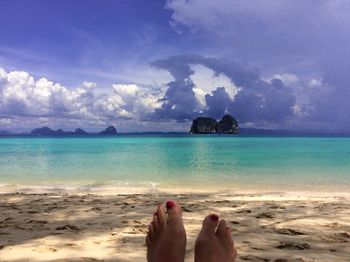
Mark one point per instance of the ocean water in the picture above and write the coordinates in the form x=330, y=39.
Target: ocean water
x=176, y=161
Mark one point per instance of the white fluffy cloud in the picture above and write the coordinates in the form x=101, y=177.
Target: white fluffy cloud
x=23, y=96
x=128, y=101
x=88, y=84
x=206, y=81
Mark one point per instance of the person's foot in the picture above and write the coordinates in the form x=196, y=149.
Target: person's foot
x=166, y=238
x=214, y=242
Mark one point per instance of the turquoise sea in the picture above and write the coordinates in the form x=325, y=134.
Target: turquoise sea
x=176, y=161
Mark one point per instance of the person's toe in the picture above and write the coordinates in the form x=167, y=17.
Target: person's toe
x=161, y=217
x=209, y=224
x=155, y=223
x=174, y=211
x=221, y=230
x=151, y=232
x=229, y=236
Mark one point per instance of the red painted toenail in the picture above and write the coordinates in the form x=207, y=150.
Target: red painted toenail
x=214, y=217
x=170, y=204
x=155, y=213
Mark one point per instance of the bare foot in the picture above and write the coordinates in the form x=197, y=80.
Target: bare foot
x=166, y=238
x=214, y=242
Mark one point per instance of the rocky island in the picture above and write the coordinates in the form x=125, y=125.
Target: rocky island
x=46, y=131
x=207, y=125
x=109, y=131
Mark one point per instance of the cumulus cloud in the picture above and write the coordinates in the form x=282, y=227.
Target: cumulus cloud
x=23, y=96
x=254, y=99
x=179, y=102
x=133, y=101
x=88, y=84
x=206, y=81
x=218, y=102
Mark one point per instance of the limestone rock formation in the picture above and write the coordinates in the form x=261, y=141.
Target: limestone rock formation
x=207, y=125
x=228, y=125
x=203, y=125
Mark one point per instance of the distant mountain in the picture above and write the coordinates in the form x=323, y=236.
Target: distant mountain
x=109, y=131
x=46, y=131
x=80, y=132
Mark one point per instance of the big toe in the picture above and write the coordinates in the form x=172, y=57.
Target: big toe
x=174, y=211
x=209, y=225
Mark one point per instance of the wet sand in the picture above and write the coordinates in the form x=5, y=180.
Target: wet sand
x=87, y=227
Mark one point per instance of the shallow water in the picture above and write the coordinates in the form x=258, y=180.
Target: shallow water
x=177, y=161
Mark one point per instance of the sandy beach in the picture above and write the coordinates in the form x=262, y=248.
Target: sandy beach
x=88, y=227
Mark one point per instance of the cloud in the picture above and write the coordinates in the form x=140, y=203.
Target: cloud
x=262, y=26
x=21, y=96
x=135, y=101
x=218, y=102
x=206, y=81
x=200, y=86
x=308, y=39
x=254, y=99
x=179, y=102
x=88, y=84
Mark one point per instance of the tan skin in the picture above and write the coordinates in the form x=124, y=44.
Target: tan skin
x=166, y=238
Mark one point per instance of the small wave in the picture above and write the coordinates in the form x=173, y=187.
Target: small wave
x=111, y=187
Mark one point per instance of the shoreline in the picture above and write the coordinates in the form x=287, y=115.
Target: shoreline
x=153, y=188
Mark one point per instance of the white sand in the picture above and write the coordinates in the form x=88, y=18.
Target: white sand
x=266, y=227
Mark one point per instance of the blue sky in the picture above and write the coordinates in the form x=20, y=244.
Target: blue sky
x=57, y=37
x=155, y=65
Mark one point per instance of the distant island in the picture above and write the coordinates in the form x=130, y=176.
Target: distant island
x=46, y=131
x=206, y=125
x=200, y=125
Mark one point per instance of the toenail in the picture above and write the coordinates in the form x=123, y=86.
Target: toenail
x=170, y=204
x=214, y=217
x=155, y=213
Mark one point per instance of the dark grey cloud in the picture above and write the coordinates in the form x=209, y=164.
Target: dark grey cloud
x=257, y=99
x=310, y=39
x=264, y=101
x=179, y=102
x=218, y=103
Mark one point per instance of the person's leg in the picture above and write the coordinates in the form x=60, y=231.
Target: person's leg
x=214, y=242
x=166, y=238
